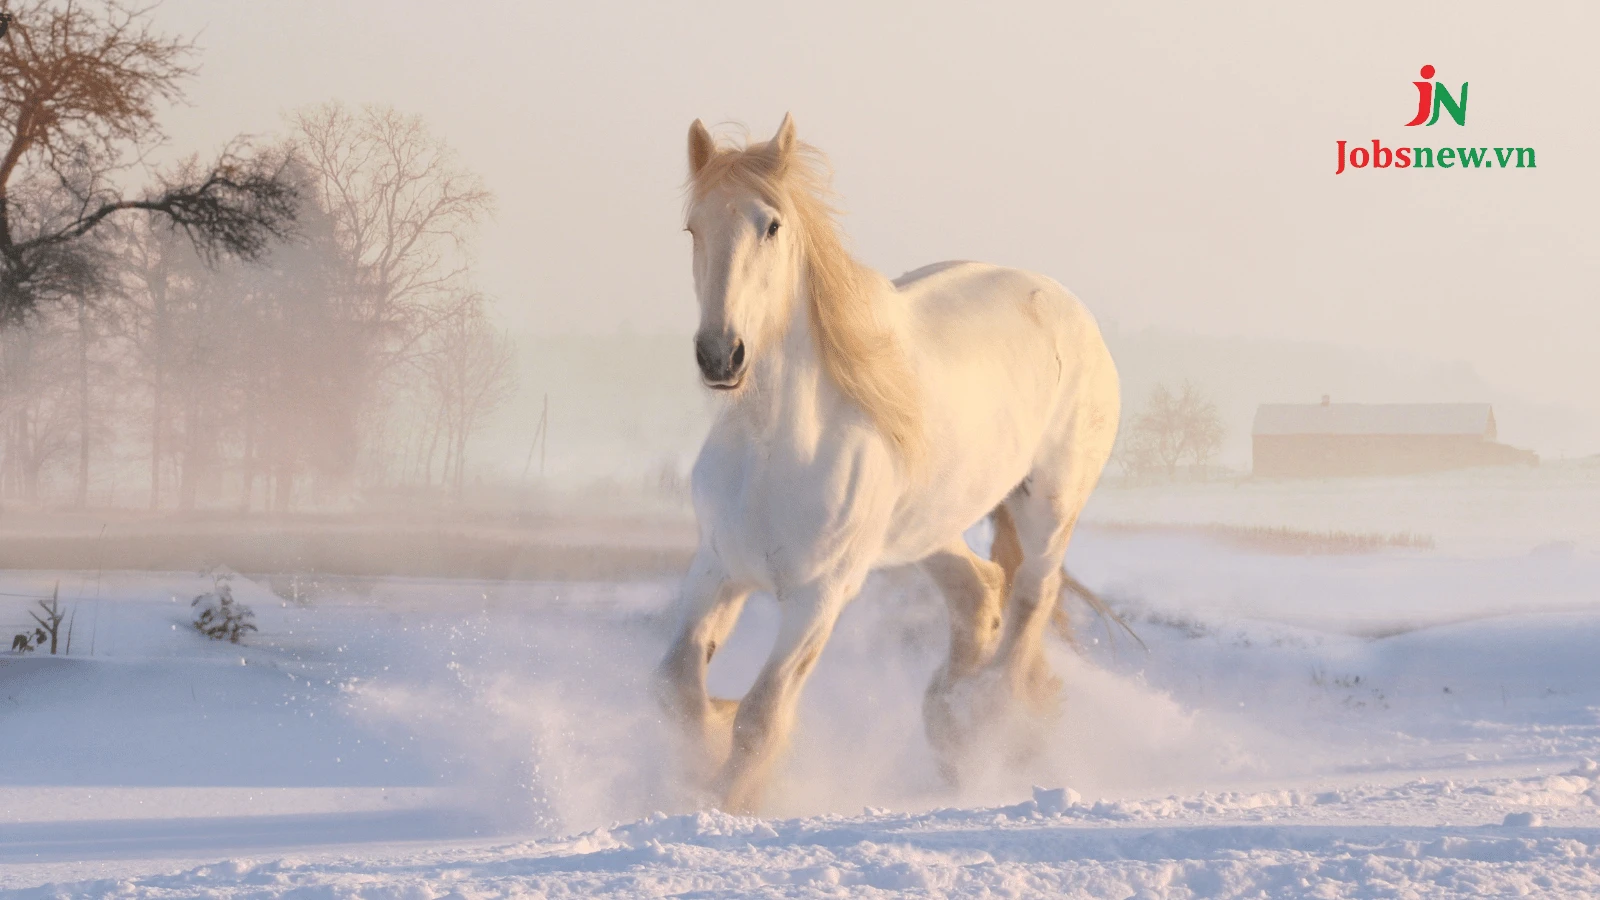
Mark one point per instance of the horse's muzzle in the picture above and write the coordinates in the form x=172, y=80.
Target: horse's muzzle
x=722, y=360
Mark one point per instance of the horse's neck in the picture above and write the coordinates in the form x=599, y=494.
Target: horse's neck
x=790, y=399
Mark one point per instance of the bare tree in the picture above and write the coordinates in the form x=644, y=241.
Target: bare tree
x=80, y=87
x=281, y=371
x=36, y=402
x=403, y=207
x=1170, y=429
x=301, y=386
x=92, y=322
x=245, y=364
x=471, y=372
x=147, y=318
x=179, y=323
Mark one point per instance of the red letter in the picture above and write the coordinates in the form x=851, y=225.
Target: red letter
x=1358, y=157
x=1402, y=158
x=1341, y=159
x=1381, y=156
x=1424, y=98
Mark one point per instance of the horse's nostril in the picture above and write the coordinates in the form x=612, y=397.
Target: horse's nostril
x=738, y=355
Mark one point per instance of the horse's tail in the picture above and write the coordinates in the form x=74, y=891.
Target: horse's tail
x=1070, y=585
x=1007, y=551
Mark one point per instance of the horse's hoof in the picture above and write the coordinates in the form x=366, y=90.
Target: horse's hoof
x=997, y=713
x=948, y=733
x=739, y=793
x=957, y=714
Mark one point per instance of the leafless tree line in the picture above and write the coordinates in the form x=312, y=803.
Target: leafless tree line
x=292, y=322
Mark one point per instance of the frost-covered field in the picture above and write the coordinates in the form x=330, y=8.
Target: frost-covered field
x=1402, y=723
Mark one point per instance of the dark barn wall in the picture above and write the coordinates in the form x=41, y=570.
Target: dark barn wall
x=1320, y=455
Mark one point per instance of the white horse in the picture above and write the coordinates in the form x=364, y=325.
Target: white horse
x=869, y=423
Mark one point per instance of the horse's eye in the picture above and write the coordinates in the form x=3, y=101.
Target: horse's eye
x=772, y=229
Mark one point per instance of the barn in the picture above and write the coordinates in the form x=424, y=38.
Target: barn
x=1311, y=440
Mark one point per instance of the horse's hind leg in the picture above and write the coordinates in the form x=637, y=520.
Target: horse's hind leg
x=1044, y=510
x=974, y=589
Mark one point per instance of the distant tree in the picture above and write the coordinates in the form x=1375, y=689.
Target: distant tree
x=37, y=415
x=403, y=207
x=80, y=86
x=155, y=272
x=91, y=314
x=196, y=324
x=301, y=387
x=1133, y=454
x=470, y=369
x=247, y=366
x=1170, y=429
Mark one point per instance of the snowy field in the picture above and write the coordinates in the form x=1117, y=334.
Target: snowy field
x=1406, y=723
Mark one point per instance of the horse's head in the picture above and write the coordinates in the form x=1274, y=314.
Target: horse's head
x=746, y=250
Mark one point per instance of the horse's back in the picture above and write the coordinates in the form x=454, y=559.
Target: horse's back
x=1030, y=347
x=915, y=275
x=959, y=308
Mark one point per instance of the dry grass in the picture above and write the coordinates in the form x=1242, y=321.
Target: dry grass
x=562, y=550
x=1279, y=539
x=537, y=548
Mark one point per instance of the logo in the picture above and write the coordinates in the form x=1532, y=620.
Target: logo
x=1435, y=96
x=1434, y=100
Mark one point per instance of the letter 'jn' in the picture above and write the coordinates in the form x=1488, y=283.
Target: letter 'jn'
x=1433, y=96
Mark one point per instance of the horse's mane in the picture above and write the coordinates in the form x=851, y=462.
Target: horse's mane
x=859, y=351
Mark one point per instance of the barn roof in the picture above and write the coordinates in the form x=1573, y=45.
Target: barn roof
x=1476, y=419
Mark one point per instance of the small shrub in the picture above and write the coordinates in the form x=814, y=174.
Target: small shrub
x=219, y=616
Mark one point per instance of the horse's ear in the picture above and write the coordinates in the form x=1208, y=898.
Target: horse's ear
x=783, y=142
x=701, y=147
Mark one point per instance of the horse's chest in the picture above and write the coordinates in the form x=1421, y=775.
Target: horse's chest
x=778, y=517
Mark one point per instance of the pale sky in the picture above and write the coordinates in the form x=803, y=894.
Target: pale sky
x=1172, y=164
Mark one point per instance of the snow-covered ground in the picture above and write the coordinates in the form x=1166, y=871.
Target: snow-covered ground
x=1485, y=512
x=1401, y=723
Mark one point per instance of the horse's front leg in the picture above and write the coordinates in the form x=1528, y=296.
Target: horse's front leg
x=710, y=606
x=766, y=715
